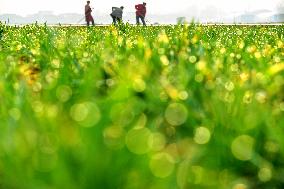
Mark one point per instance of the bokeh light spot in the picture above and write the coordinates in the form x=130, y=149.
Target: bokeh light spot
x=157, y=141
x=202, y=135
x=139, y=85
x=15, y=113
x=63, y=93
x=230, y=86
x=114, y=137
x=183, y=95
x=265, y=174
x=137, y=140
x=87, y=114
x=162, y=165
x=176, y=114
x=165, y=61
x=240, y=186
x=242, y=147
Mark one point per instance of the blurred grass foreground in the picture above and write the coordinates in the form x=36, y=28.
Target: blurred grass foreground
x=170, y=107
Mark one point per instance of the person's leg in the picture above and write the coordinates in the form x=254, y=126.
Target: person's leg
x=93, y=22
x=113, y=19
x=137, y=20
x=88, y=22
x=143, y=20
x=119, y=20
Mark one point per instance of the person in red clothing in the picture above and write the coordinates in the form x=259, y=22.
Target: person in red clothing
x=141, y=13
x=88, y=15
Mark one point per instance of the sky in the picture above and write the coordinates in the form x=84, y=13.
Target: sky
x=26, y=7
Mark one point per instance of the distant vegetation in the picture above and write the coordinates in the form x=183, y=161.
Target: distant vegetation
x=204, y=16
x=172, y=107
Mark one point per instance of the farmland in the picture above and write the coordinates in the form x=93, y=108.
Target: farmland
x=169, y=107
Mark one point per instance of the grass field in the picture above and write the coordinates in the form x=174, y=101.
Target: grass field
x=170, y=107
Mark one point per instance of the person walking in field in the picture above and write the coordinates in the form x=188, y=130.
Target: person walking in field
x=117, y=14
x=140, y=13
x=88, y=14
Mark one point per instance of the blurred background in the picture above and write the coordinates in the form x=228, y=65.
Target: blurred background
x=159, y=11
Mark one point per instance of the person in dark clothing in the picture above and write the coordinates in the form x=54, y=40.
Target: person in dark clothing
x=88, y=15
x=117, y=14
x=140, y=13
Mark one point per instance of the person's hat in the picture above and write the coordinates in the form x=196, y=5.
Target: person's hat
x=122, y=7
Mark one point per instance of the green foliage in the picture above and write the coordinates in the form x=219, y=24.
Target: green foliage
x=142, y=107
x=1, y=30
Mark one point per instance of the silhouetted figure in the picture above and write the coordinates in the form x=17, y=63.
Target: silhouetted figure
x=117, y=14
x=141, y=13
x=88, y=14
